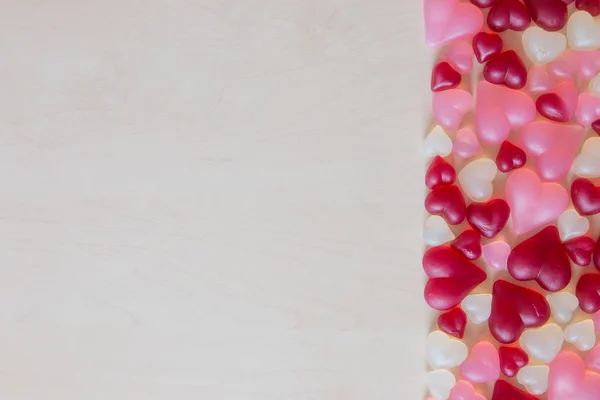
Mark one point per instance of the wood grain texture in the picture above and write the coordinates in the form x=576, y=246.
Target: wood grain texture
x=214, y=199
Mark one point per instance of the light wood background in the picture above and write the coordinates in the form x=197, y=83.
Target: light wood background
x=211, y=199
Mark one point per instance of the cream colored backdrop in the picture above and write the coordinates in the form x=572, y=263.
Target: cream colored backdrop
x=211, y=199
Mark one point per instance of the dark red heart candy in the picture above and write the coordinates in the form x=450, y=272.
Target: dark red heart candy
x=483, y=3
x=551, y=15
x=507, y=69
x=541, y=257
x=508, y=14
x=585, y=196
x=510, y=157
x=448, y=202
x=453, y=322
x=468, y=243
x=505, y=391
x=444, y=77
x=588, y=292
x=553, y=107
x=451, y=277
x=512, y=359
x=596, y=255
x=488, y=218
x=591, y=6
x=596, y=126
x=580, y=250
x=515, y=308
x=439, y=173
x=485, y=45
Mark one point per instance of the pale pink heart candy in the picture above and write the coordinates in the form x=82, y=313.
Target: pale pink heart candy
x=569, y=380
x=482, y=365
x=533, y=203
x=596, y=319
x=498, y=109
x=588, y=109
x=466, y=144
x=540, y=80
x=573, y=64
x=593, y=359
x=553, y=147
x=450, y=106
x=450, y=20
x=496, y=254
x=460, y=57
x=463, y=390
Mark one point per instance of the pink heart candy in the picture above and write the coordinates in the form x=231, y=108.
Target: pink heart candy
x=540, y=80
x=573, y=63
x=593, y=359
x=498, y=109
x=496, y=254
x=596, y=320
x=568, y=379
x=460, y=57
x=463, y=390
x=466, y=144
x=450, y=20
x=482, y=365
x=588, y=109
x=569, y=94
x=450, y=106
x=533, y=203
x=553, y=147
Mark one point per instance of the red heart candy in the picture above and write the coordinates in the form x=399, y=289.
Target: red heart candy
x=553, y=107
x=508, y=14
x=488, y=218
x=512, y=359
x=585, y=196
x=588, y=292
x=468, y=243
x=596, y=126
x=591, y=6
x=596, y=255
x=451, y=277
x=453, y=322
x=551, y=15
x=507, y=69
x=444, y=77
x=515, y=308
x=483, y=3
x=505, y=391
x=510, y=157
x=448, y=202
x=541, y=257
x=580, y=250
x=440, y=173
x=485, y=45
x=567, y=2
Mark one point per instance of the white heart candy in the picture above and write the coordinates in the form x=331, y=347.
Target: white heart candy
x=543, y=343
x=437, y=143
x=478, y=307
x=587, y=163
x=542, y=46
x=534, y=378
x=583, y=32
x=440, y=383
x=594, y=85
x=571, y=224
x=581, y=334
x=437, y=231
x=476, y=179
x=562, y=305
x=445, y=352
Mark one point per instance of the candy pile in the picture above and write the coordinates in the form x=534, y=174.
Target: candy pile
x=513, y=254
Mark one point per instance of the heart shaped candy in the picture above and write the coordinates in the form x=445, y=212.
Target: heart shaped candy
x=482, y=365
x=540, y=79
x=543, y=258
x=534, y=378
x=498, y=110
x=476, y=179
x=448, y=202
x=559, y=106
x=591, y=6
x=483, y=3
x=562, y=305
x=488, y=218
x=440, y=173
x=533, y=203
x=594, y=85
x=583, y=32
x=437, y=231
x=543, y=343
x=587, y=163
x=460, y=57
x=444, y=77
x=439, y=383
x=580, y=250
x=551, y=15
x=568, y=379
x=445, y=352
x=571, y=224
x=450, y=20
x=596, y=255
x=485, y=45
x=588, y=293
x=451, y=277
x=592, y=360
x=478, y=307
x=552, y=146
x=596, y=126
x=510, y=157
x=437, y=142
x=585, y=196
x=505, y=391
x=468, y=243
x=507, y=69
x=496, y=254
x=542, y=46
x=515, y=308
x=576, y=63
x=508, y=14
x=450, y=106
x=512, y=359
x=588, y=109
x=466, y=144
x=463, y=390
x=581, y=334
x=453, y=322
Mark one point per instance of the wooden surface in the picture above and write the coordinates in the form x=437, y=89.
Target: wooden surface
x=211, y=200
